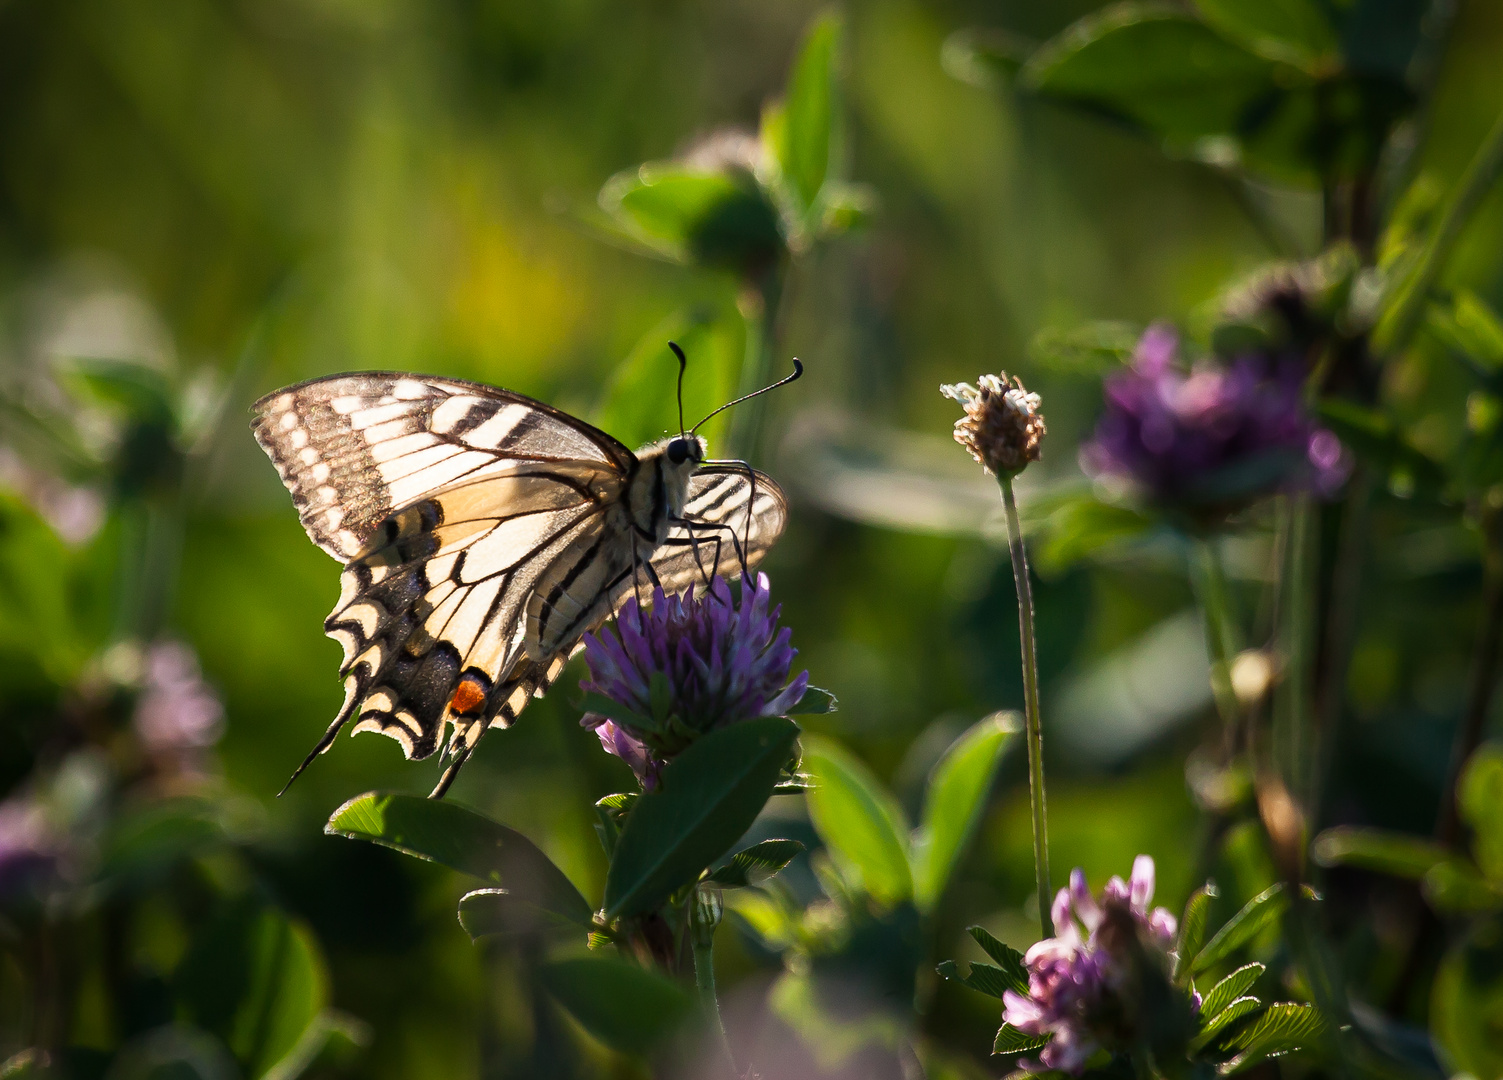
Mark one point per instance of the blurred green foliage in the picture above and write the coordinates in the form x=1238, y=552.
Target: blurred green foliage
x=203, y=200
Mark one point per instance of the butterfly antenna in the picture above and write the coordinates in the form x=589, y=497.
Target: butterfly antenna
x=798, y=370
x=683, y=362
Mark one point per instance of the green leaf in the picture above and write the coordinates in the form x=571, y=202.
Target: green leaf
x=1010, y=1040
x=985, y=57
x=1455, y=887
x=1153, y=65
x=1229, y=989
x=954, y=801
x=148, y=840
x=257, y=980
x=1479, y=797
x=626, y=1007
x=611, y=811
x=859, y=822
x=714, y=219
x=1467, y=326
x=756, y=864
x=1095, y=348
x=708, y=797
x=497, y=913
x=1259, y=912
x=1072, y=526
x=447, y=833
x=1376, y=849
x=766, y=916
x=983, y=978
x=845, y=208
x=1466, y=1000
x=1290, y=31
x=1284, y=1027
x=1192, y=930
x=1375, y=437
x=806, y=130
x=1237, y=1011
x=1008, y=959
x=815, y=702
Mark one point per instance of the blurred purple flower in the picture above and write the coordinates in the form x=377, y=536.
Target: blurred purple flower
x=1215, y=437
x=28, y=851
x=686, y=666
x=178, y=713
x=1077, y=980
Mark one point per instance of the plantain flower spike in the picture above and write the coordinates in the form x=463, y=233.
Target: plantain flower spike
x=1002, y=426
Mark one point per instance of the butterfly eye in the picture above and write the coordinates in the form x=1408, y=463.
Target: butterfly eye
x=680, y=450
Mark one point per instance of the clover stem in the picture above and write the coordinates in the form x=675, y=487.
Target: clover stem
x=704, y=916
x=1030, y=705
x=759, y=311
x=1210, y=588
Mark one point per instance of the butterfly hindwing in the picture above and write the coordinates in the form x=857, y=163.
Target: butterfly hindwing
x=433, y=621
x=719, y=538
x=353, y=448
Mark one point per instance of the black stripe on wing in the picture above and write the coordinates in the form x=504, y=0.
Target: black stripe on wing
x=732, y=516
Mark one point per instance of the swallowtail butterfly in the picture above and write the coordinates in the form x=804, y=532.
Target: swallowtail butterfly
x=484, y=533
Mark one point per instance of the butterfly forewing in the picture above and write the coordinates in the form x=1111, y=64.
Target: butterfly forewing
x=483, y=534
x=353, y=448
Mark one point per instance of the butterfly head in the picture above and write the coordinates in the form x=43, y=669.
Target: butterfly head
x=685, y=450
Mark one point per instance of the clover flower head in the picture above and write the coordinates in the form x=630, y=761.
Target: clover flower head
x=687, y=666
x=1208, y=440
x=178, y=715
x=1002, y=426
x=1079, y=981
x=28, y=850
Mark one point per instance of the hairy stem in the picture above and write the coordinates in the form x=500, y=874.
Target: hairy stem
x=704, y=916
x=1030, y=705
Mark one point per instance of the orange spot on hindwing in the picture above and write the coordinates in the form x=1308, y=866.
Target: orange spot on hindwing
x=469, y=695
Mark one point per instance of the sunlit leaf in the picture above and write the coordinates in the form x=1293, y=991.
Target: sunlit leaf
x=1284, y=1027
x=1192, y=930
x=1479, y=797
x=756, y=864
x=859, y=822
x=983, y=978
x=1229, y=989
x=445, y=832
x=1154, y=65
x=1376, y=849
x=1238, y=1011
x=1094, y=348
x=985, y=57
x=1008, y=959
x=1467, y=326
x=808, y=113
x=954, y=801
x=707, y=798
x=1455, y=887
x=1466, y=1000
x=625, y=1006
x=1010, y=1040
x=765, y=916
x=497, y=913
x=815, y=702
x=1259, y=912
x=720, y=220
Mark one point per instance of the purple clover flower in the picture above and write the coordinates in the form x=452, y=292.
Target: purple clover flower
x=178, y=716
x=28, y=850
x=686, y=666
x=1078, y=980
x=1211, y=439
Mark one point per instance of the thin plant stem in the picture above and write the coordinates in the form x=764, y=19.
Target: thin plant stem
x=759, y=310
x=1215, y=608
x=704, y=915
x=1030, y=705
x=1292, y=747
